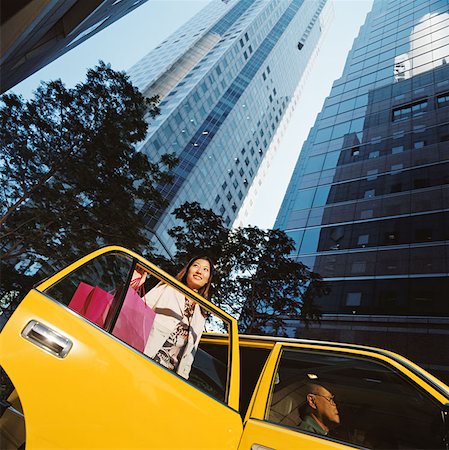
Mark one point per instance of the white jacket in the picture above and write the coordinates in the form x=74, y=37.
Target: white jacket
x=168, y=305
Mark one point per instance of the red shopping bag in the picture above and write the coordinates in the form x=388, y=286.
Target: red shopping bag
x=91, y=302
x=134, y=323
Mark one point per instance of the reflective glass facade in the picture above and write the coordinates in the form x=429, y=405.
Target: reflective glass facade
x=368, y=204
x=227, y=81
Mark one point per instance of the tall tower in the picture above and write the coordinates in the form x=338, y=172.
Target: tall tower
x=228, y=80
x=368, y=203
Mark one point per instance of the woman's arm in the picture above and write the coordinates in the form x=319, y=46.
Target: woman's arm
x=153, y=296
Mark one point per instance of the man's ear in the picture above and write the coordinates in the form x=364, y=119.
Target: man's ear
x=311, y=401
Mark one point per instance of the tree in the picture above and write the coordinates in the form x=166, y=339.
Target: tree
x=255, y=278
x=71, y=177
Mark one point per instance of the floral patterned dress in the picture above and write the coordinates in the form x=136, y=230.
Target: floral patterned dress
x=171, y=352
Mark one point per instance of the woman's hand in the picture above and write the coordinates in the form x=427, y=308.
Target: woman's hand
x=138, y=279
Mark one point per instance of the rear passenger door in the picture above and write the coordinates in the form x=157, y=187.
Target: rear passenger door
x=365, y=400
x=82, y=387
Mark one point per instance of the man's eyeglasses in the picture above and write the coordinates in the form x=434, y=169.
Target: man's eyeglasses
x=331, y=399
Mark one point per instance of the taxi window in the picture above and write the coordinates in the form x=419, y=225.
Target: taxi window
x=128, y=300
x=356, y=400
x=93, y=288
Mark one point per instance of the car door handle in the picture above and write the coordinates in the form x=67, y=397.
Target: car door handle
x=260, y=447
x=47, y=339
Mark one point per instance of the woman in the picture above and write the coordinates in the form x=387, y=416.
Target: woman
x=179, y=321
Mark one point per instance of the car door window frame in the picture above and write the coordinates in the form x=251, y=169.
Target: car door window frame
x=233, y=366
x=259, y=407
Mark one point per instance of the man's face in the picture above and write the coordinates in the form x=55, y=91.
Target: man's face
x=326, y=409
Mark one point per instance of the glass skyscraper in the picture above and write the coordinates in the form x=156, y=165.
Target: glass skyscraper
x=368, y=203
x=228, y=81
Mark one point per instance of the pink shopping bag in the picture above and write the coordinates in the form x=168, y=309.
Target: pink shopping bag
x=91, y=302
x=134, y=323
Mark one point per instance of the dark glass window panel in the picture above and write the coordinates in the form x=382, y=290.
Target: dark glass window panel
x=321, y=196
x=443, y=100
x=314, y=164
x=366, y=392
x=409, y=110
x=304, y=199
x=310, y=240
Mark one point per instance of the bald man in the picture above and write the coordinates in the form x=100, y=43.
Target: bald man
x=321, y=411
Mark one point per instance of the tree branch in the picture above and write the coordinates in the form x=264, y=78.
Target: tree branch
x=27, y=194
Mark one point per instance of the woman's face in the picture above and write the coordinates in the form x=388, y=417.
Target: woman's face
x=198, y=274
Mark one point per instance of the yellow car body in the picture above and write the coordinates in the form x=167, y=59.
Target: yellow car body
x=77, y=386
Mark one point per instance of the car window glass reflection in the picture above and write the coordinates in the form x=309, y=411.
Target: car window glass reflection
x=355, y=400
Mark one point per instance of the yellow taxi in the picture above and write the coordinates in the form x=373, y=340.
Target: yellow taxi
x=69, y=382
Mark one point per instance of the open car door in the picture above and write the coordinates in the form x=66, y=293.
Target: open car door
x=80, y=386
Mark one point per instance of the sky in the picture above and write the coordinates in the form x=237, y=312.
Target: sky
x=129, y=39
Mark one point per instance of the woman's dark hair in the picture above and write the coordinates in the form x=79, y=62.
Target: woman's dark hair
x=182, y=275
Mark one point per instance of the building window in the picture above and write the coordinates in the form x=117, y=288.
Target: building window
x=418, y=144
x=231, y=173
x=227, y=221
x=410, y=110
x=178, y=118
x=229, y=196
x=247, y=161
x=241, y=172
x=353, y=299
x=366, y=214
x=355, y=151
x=395, y=168
x=419, y=128
x=222, y=209
x=217, y=199
x=370, y=193
x=398, y=149
x=358, y=267
x=234, y=207
x=240, y=195
x=235, y=184
x=374, y=154
x=224, y=185
x=443, y=100
x=363, y=240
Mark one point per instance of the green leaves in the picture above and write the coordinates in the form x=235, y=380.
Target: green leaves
x=256, y=281
x=70, y=175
